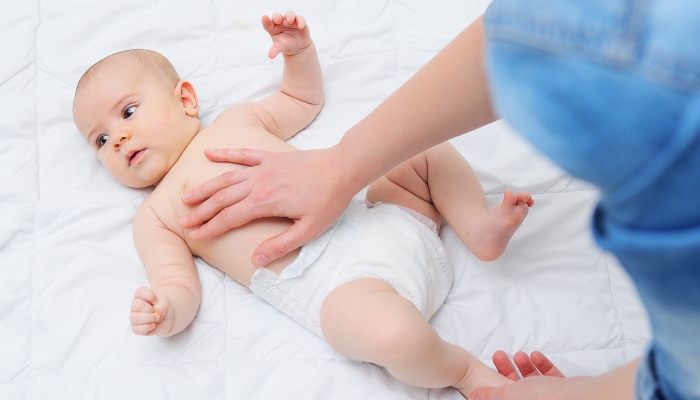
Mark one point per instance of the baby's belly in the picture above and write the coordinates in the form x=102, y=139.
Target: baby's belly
x=232, y=251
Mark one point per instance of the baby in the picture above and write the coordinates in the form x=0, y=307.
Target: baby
x=367, y=286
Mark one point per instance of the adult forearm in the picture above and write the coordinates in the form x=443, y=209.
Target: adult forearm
x=617, y=384
x=302, y=78
x=447, y=97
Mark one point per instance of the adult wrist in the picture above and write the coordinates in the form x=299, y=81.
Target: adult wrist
x=354, y=170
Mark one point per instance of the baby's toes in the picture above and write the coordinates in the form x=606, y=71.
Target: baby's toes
x=524, y=197
x=509, y=199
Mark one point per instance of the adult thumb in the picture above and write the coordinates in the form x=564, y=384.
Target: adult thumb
x=278, y=246
x=482, y=394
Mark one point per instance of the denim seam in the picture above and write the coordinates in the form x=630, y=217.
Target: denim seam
x=682, y=73
x=635, y=24
x=612, y=45
x=622, y=48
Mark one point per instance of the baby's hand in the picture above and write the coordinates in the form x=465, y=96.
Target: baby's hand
x=150, y=314
x=289, y=33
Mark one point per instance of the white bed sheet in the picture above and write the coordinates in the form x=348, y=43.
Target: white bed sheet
x=69, y=267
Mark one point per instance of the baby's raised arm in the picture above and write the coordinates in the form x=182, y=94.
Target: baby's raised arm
x=301, y=92
x=171, y=303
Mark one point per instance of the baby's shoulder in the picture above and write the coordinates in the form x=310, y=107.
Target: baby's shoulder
x=146, y=210
x=155, y=209
x=241, y=113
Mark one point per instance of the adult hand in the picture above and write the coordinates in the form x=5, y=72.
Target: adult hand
x=542, y=380
x=309, y=187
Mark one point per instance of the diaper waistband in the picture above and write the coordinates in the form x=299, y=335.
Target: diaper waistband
x=413, y=213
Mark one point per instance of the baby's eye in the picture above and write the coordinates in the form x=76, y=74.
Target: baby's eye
x=129, y=111
x=102, y=140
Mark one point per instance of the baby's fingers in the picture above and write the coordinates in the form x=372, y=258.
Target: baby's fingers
x=146, y=294
x=267, y=23
x=142, y=318
x=276, y=48
x=289, y=16
x=140, y=305
x=301, y=22
x=143, y=329
x=143, y=322
x=277, y=18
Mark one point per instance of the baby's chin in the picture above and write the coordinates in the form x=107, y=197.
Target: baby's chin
x=139, y=185
x=137, y=182
x=145, y=175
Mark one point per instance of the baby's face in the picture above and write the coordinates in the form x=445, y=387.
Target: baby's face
x=137, y=124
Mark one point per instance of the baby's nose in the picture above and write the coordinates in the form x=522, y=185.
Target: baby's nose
x=122, y=138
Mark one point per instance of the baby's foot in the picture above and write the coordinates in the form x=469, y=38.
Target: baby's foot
x=479, y=375
x=493, y=229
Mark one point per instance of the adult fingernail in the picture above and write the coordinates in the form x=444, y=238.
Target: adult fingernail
x=259, y=260
x=194, y=232
x=474, y=397
x=182, y=220
x=186, y=196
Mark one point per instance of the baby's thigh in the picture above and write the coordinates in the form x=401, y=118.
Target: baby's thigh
x=406, y=185
x=367, y=320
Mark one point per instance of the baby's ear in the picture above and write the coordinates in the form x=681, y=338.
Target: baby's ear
x=185, y=91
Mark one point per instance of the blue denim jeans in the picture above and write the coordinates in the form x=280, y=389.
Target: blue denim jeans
x=610, y=90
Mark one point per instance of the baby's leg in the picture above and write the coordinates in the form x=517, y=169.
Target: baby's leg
x=458, y=196
x=367, y=320
x=440, y=181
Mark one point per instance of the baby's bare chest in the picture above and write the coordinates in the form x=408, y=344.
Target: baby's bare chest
x=193, y=168
x=230, y=252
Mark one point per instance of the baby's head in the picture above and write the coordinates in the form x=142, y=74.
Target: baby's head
x=137, y=114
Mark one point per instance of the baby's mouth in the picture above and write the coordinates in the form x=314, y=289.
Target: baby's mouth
x=136, y=156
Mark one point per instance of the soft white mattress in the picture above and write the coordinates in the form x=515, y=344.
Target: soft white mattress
x=69, y=267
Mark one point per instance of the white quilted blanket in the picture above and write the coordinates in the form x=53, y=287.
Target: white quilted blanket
x=68, y=267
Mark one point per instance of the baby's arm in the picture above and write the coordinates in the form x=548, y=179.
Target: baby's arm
x=301, y=92
x=171, y=303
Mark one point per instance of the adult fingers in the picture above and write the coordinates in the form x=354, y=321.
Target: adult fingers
x=525, y=365
x=243, y=156
x=217, y=203
x=230, y=217
x=488, y=393
x=504, y=366
x=545, y=366
x=214, y=185
x=277, y=246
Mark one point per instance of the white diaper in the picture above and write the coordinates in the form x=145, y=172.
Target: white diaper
x=383, y=242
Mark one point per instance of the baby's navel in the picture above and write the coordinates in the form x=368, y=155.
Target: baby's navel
x=184, y=188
